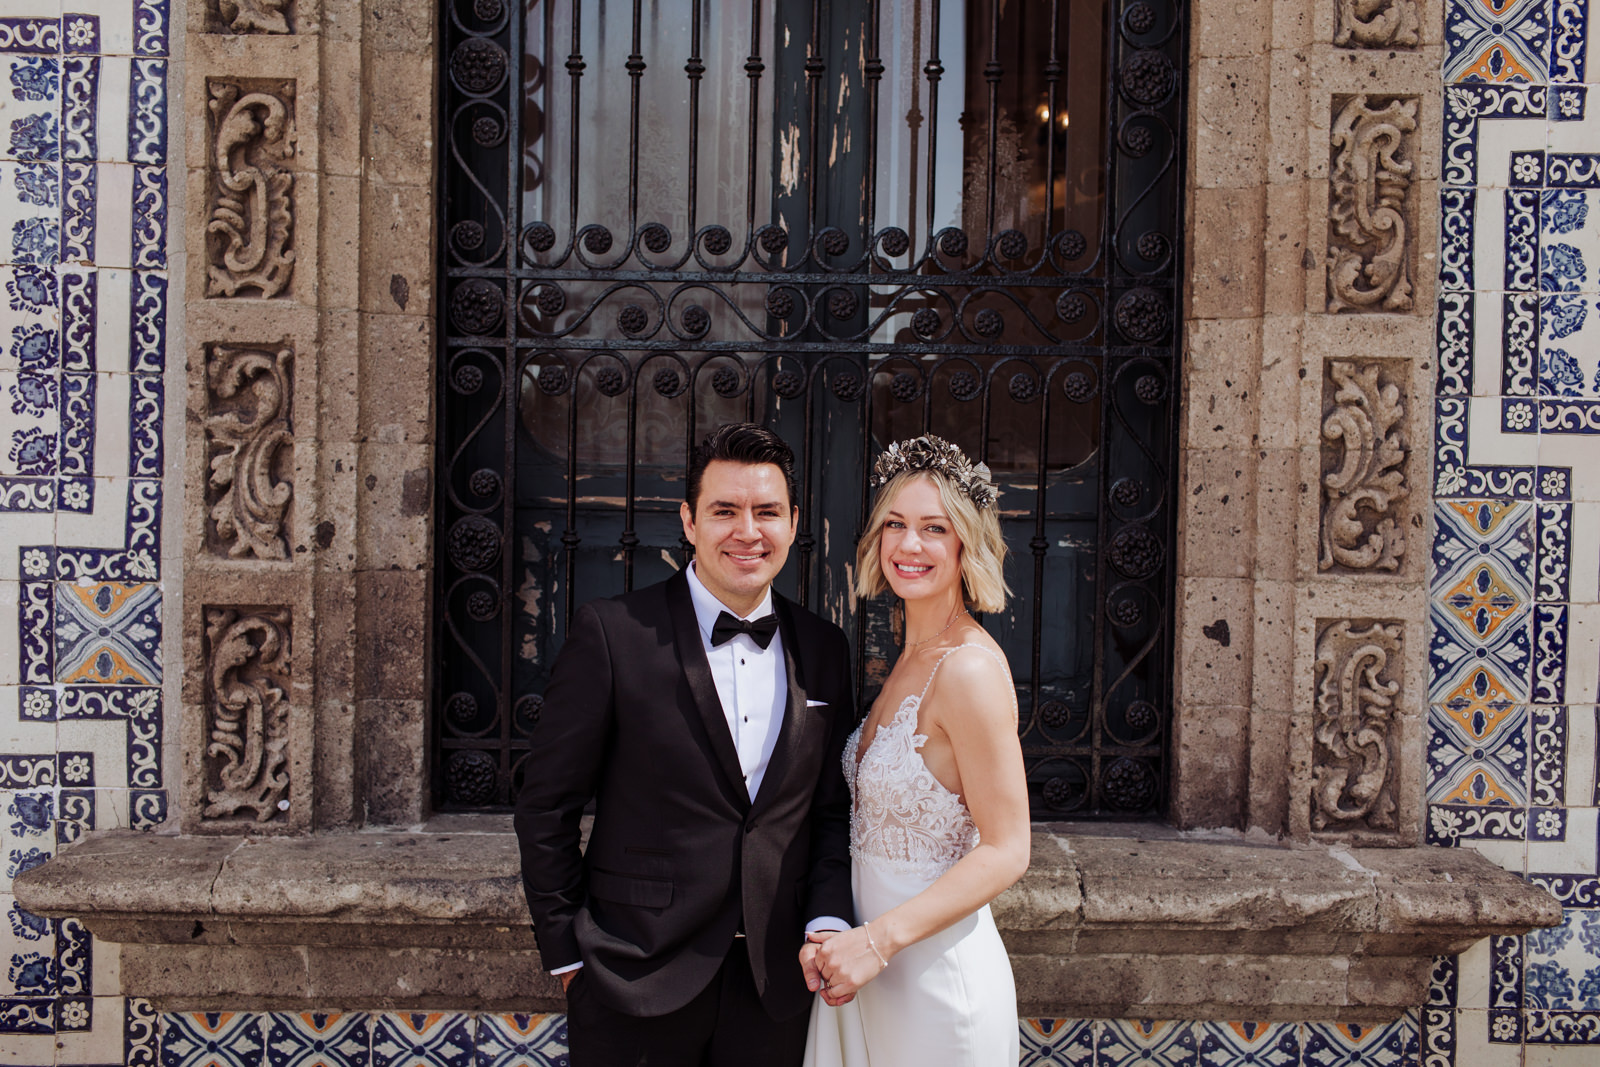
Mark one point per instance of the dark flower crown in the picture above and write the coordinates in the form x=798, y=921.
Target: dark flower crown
x=930, y=453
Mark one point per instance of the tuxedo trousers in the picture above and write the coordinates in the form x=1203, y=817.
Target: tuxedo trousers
x=724, y=1026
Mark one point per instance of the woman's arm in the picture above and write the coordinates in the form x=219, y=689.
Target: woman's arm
x=976, y=710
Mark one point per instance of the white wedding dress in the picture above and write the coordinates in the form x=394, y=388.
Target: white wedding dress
x=949, y=999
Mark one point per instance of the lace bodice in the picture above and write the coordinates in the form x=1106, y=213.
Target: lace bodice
x=901, y=814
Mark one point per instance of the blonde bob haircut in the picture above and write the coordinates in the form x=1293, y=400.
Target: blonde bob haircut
x=983, y=549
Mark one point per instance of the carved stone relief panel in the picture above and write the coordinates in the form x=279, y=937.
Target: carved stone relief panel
x=1363, y=480
x=253, y=16
x=1377, y=24
x=249, y=432
x=1371, y=239
x=250, y=214
x=247, y=665
x=1355, y=737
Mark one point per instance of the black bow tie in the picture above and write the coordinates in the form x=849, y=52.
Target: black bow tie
x=728, y=627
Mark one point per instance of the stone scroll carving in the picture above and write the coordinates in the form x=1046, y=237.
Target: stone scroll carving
x=247, y=712
x=1369, y=241
x=1362, y=482
x=254, y=16
x=1354, y=735
x=250, y=441
x=1377, y=24
x=250, y=222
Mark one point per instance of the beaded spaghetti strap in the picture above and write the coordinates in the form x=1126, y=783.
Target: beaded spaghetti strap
x=951, y=651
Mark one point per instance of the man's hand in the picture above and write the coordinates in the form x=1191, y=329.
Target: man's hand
x=813, y=973
x=566, y=979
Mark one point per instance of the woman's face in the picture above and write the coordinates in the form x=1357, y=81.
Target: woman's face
x=919, y=550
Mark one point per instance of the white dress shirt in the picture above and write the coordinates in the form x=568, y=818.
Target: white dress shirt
x=751, y=681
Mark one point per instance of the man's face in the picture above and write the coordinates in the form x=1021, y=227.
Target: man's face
x=741, y=527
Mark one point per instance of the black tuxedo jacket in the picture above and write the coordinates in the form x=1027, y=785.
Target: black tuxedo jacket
x=679, y=857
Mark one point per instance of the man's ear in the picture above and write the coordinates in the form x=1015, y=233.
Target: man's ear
x=794, y=515
x=686, y=513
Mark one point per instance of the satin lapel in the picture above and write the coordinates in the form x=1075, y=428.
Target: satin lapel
x=692, y=658
x=797, y=718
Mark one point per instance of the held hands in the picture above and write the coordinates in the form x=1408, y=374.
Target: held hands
x=838, y=963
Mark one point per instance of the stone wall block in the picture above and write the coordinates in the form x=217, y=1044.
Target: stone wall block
x=398, y=26
x=392, y=649
x=1215, y=618
x=1230, y=28
x=1372, y=205
x=394, y=516
x=391, y=767
x=1226, y=236
x=1279, y=506
x=1211, y=757
x=398, y=349
x=1216, y=529
x=401, y=150
x=342, y=207
x=1271, y=770
x=340, y=374
x=337, y=749
x=1228, y=118
x=346, y=96
x=1288, y=383
x=335, y=593
x=397, y=231
x=1221, y=408
x=1284, y=266
x=1289, y=133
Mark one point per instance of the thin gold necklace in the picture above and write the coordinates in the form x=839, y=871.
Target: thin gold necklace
x=947, y=626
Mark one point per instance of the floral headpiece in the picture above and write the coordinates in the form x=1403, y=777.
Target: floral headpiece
x=930, y=453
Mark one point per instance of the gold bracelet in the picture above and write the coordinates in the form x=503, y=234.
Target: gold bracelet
x=883, y=963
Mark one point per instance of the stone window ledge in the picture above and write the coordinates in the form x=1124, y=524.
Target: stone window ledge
x=1160, y=925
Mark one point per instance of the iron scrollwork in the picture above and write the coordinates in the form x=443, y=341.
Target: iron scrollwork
x=594, y=325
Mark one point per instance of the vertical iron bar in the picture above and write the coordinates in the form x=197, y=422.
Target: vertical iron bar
x=510, y=380
x=630, y=538
x=575, y=67
x=695, y=69
x=934, y=70
x=873, y=68
x=1052, y=74
x=636, y=67
x=753, y=66
x=569, y=537
x=991, y=73
x=814, y=70
x=1039, y=544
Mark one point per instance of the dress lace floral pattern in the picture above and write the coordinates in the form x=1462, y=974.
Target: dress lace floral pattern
x=902, y=815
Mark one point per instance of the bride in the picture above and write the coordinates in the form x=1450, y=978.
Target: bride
x=939, y=824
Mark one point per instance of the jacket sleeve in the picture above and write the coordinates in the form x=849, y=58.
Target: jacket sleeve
x=830, y=806
x=560, y=776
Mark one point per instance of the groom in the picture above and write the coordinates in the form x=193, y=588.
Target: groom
x=706, y=718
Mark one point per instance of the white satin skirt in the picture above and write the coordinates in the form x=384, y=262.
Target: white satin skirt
x=947, y=1001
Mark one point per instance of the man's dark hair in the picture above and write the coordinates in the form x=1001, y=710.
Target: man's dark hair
x=739, y=442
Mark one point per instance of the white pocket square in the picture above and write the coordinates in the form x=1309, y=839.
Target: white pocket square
x=816, y=703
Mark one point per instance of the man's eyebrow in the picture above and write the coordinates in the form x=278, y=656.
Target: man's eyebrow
x=730, y=504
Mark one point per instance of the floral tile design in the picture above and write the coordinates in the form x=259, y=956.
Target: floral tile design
x=1057, y=1043
x=1356, y=1043
x=1476, y=758
x=1145, y=1041
x=211, y=1039
x=108, y=633
x=422, y=1039
x=522, y=1041
x=1497, y=40
x=310, y=1039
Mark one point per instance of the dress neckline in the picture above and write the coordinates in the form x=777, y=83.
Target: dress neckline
x=909, y=698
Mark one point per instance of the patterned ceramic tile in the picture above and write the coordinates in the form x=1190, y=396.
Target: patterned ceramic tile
x=211, y=1039
x=310, y=1039
x=1478, y=758
x=1355, y=1043
x=422, y=1039
x=1497, y=40
x=1223, y=1044
x=522, y=1041
x=1145, y=1041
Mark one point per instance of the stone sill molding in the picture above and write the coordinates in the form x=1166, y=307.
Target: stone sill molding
x=1164, y=926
